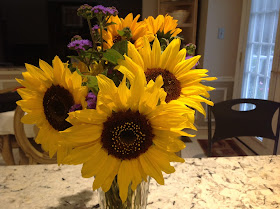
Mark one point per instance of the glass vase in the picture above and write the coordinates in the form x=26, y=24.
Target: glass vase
x=135, y=199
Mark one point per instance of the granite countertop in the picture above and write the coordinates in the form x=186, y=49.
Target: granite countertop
x=233, y=182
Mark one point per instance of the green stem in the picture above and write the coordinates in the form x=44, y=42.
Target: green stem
x=101, y=36
x=91, y=34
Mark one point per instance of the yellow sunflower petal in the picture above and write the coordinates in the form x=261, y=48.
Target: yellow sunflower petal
x=124, y=179
x=108, y=182
x=183, y=67
x=156, y=52
x=33, y=117
x=94, y=164
x=151, y=168
x=162, y=162
x=136, y=174
x=110, y=165
x=47, y=69
x=169, y=144
x=169, y=55
x=85, y=133
x=134, y=55
x=88, y=116
x=82, y=153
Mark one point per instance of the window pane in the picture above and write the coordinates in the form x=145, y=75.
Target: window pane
x=268, y=28
x=271, y=5
x=265, y=51
x=251, y=86
x=261, y=88
x=255, y=58
x=258, y=5
x=258, y=29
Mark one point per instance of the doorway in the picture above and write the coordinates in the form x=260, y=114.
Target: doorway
x=257, y=59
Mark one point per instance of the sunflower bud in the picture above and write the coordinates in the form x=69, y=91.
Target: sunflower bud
x=76, y=37
x=125, y=33
x=190, y=49
x=85, y=11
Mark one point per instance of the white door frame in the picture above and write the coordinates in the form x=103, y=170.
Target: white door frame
x=244, y=26
x=274, y=93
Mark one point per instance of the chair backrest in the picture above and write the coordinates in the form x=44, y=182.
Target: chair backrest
x=35, y=156
x=233, y=123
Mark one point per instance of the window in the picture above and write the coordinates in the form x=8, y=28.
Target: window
x=260, y=48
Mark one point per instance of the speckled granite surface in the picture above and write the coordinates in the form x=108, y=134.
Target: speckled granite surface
x=235, y=182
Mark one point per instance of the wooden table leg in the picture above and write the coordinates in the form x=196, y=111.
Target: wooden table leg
x=7, y=151
x=23, y=159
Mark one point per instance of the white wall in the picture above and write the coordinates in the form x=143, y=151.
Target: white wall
x=220, y=54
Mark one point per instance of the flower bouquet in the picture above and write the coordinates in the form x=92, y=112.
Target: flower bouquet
x=120, y=105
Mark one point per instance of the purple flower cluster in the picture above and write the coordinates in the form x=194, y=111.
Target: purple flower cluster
x=95, y=27
x=85, y=6
x=105, y=10
x=91, y=100
x=80, y=44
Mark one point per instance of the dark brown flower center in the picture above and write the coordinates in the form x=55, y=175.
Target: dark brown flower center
x=170, y=83
x=126, y=135
x=57, y=102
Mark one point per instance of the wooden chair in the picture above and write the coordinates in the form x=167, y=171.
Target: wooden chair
x=230, y=122
x=8, y=98
x=32, y=151
x=7, y=143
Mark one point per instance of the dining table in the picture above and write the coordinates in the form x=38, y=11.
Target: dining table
x=215, y=182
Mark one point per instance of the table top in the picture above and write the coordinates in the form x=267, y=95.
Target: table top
x=224, y=182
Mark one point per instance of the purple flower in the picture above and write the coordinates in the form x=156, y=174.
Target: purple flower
x=95, y=27
x=91, y=100
x=75, y=107
x=91, y=104
x=90, y=96
x=104, y=10
x=80, y=44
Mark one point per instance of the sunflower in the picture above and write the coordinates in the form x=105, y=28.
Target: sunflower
x=181, y=82
x=163, y=26
x=138, y=31
x=47, y=97
x=128, y=135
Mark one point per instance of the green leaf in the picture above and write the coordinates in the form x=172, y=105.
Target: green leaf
x=121, y=47
x=121, y=32
x=75, y=58
x=92, y=83
x=112, y=55
x=110, y=23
